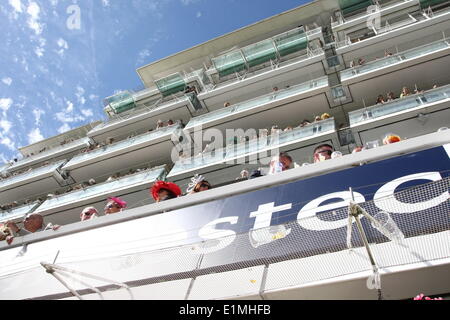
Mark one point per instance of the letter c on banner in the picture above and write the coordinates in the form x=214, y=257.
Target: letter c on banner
x=307, y=217
x=385, y=200
x=208, y=232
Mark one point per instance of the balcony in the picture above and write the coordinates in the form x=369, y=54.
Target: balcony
x=171, y=252
x=304, y=95
x=126, y=153
x=399, y=58
x=361, y=18
x=406, y=25
x=31, y=183
x=254, y=148
x=408, y=117
x=415, y=102
x=17, y=213
x=53, y=153
x=134, y=189
x=145, y=117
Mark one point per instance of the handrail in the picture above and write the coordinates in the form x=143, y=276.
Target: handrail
x=332, y=165
x=420, y=99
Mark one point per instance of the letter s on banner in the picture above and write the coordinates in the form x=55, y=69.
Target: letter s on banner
x=208, y=232
x=307, y=217
x=385, y=200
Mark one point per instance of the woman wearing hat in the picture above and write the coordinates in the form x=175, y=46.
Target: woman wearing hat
x=114, y=205
x=162, y=190
x=198, y=184
x=88, y=213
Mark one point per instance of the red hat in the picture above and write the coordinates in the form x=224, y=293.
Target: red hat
x=158, y=185
x=119, y=201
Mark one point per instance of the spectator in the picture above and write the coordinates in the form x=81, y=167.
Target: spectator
x=91, y=182
x=275, y=89
x=304, y=123
x=243, y=175
x=387, y=53
x=288, y=128
x=391, y=138
x=282, y=162
x=226, y=104
x=32, y=223
x=417, y=90
x=317, y=119
x=357, y=149
x=5, y=232
x=88, y=213
x=322, y=153
x=275, y=130
x=198, y=184
x=115, y=205
x=405, y=92
x=390, y=96
x=380, y=99
x=162, y=190
x=170, y=122
x=279, y=163
x=109, y=141
x=325, y=116
x=159, y=124
x=361, y=61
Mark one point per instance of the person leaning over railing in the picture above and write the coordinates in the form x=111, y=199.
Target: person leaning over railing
x=280, y=163
x=114, y=205
x=162, y=190
x=32, y=223
x=198, y=184
x=322, y=153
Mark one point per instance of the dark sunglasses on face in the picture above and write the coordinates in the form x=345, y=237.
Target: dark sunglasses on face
x=329, y=152
x=110, y=206
x=205, y=185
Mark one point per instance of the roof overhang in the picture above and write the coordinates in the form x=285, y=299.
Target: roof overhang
x=315, y=11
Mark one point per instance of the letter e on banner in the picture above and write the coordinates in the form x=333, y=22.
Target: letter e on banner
x=385, y=200
x=307, y=217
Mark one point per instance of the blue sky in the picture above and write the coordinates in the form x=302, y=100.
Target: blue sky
x=60, y=58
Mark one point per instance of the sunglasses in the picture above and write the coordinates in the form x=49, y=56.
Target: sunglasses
x=110, y=206
x=89, y=213
x=329, y=152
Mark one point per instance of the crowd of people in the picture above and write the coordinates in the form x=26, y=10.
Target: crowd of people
x=390, y=96
x=164, y=190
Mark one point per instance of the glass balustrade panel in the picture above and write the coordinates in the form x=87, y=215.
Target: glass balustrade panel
x=31, y=174
x=110, y=187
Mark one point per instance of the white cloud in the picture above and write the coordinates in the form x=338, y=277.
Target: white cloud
x=16, y=4
x=87, y=112
x=7, y=81
x=37, y=116
x=80, y=95
x=65, y=127
x=143, y=54
x=63, y=43
x=5, y=125
x=199, y=14
x=33, y=22
x=39, y=51
x=65, y=118
x=5, y=103
x=7, y=142
x=69, y=106
x=105, y=3
x=35, y=136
